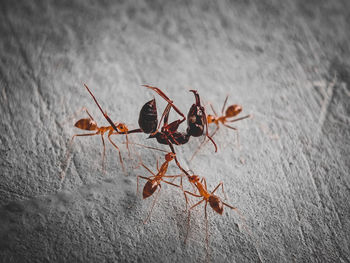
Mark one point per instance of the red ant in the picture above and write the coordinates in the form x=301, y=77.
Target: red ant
x=214, y=201
x=89, y=124
x=231, y=111
x=154, y=181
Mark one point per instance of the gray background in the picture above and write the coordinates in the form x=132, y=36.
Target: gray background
x=286, y=62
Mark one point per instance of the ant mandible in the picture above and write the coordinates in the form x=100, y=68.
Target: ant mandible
x=154, y=181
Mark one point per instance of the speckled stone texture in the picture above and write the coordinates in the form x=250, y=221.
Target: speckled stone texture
x=285, y=62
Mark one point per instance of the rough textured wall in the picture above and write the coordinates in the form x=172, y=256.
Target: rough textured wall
x=286, y=62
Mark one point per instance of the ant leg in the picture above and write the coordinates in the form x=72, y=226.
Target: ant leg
x=229, y=206
x=198, y=149
x=204, y=143
x=212, y=108
x=186, y=200
x=189, y=216
x=180, y=186
x=157, y=164
x=173, y=179
x=222, y=188
x=240, y=216
x=149, y=170
x=104, y=113
x=148, y=147
x=169, y=127
x=242, y=118
x=223, y=106
x=175, y=141
x=206, y=230
x=216, y=188
x=153, y=203
x=165, y=97
x=103, y=153
x=187, y=192
x=205, y=182
x=232, y=207
x=86, y=134
x=207, y=133
x=88, y=114
x=172, y=176
x=237, y=134
x=175, y=158
x=120, y=155
x=171, y=183
x=161, y=93
x=127, y=144
x=188, y=224
x=63, y=173
x=165, y=116
x=216, y=129
x=228, y=126
x=223, y=191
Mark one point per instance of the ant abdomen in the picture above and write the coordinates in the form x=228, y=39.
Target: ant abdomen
x=216, y=203
x=148, y=119
x=86, y=124
x=149, y=188
x=233, y=110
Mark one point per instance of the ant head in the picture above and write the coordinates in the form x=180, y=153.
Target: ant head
x=121, y=127
x=233, y=110
x=194, y=178
x=210, y=118
x=216, y=203
x=170, y=156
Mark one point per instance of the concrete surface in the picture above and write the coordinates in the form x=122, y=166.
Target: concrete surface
x=286, y=62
